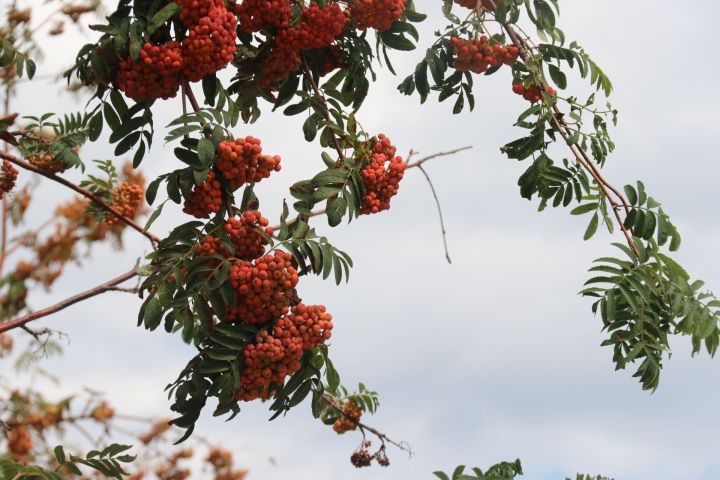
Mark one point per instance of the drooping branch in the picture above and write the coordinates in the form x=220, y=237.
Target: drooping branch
x=105, y=287
x=85, y=193
x=332, y=403
x=617, y=203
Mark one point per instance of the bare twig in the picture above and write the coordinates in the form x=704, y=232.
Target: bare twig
x=85, y=193
x=440, y=214
x=105, y=287
x=435, y=155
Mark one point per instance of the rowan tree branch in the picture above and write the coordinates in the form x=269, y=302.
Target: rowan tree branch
x=332, y=403
x=85, y=193
x=105, y=287
x=580, y=154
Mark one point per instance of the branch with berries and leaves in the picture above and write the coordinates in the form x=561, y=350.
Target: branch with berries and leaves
x=228, y=282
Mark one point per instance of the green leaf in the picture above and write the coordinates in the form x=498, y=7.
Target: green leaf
x=206, y=152
x=583, y=209
x=162, y=16
x=592, y=227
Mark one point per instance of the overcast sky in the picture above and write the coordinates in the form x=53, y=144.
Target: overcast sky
x=495, y=356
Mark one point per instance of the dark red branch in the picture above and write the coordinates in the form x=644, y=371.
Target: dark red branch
x=105, y=287
x=85, y=193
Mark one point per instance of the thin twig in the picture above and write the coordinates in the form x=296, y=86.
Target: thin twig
x=85, y=193
x=105, y=287
x=440, y=214
x=435, y=155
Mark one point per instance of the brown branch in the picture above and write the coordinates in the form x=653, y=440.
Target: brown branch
x=332, y=403
x=85, y=193
x=580, y=154
x=105, y=287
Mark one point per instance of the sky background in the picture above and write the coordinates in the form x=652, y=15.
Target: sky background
x=491, y=358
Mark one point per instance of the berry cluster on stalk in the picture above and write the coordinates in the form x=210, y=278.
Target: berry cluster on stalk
x=478, y=55
x=532, y=93
x=349, y=419
x=208, y=46
x=377, y=14
x=238, y=161
x=127, y=199
x=381, y=176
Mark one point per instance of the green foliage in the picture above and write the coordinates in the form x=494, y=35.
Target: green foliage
x=9, y=55
x=106, y=462
x=499, y=471
x=642, y=301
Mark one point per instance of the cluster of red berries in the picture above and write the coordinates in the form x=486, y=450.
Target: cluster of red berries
x=474, y=3
x=210, y=44
x=532, y=93
x=377, y=14
x=127, y=199
x=256, y=15
x=264, y=288
x=8, y=177
x=381, y=177
x=205, y=198
x=155, y=75
x=241, y=161
x=349, y=419
x=207, y=48
x=477, y=55
x=276, y=355
x=248, y=235
x=191, y=11
x=317, y=29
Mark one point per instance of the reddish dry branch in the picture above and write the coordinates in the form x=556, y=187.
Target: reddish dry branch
x=105, y=287
x=85, y=193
